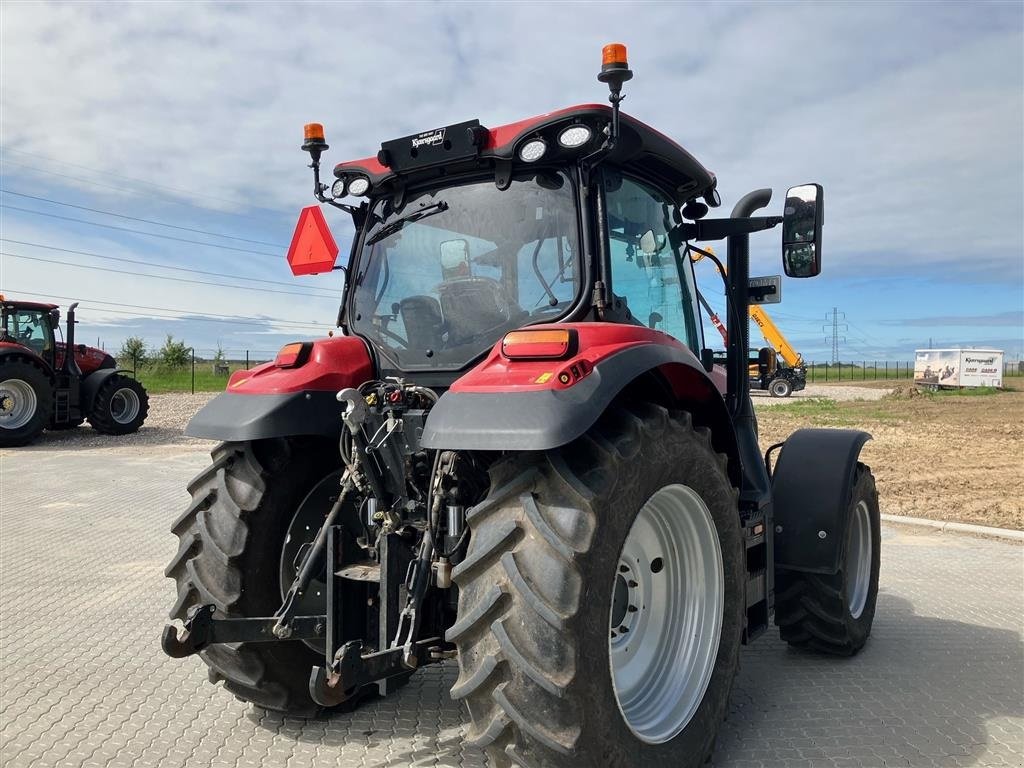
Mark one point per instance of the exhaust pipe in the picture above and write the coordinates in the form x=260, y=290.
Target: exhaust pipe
x=70, y=365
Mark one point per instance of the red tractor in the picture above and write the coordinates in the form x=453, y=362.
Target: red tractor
x=518, y=453
x=43, y=387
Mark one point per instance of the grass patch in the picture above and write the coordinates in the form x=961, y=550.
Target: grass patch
x=825, y=412
x=159, y=380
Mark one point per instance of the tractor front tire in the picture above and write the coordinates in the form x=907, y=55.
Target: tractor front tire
x=120, y=407
x=551, y=598
x=833, y=613
x=231, y=538
x=26, y=401
x=780, y=388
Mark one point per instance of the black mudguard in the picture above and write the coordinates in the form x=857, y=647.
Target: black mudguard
x=811, y=488
x=235, y=417
x=539, y=420
x=91, y=385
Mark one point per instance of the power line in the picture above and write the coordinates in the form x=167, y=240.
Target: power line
x=137, y=231
x=187, y=312
x=145, y=182
x=144, y=221
x=156, y=277
x=160, y=266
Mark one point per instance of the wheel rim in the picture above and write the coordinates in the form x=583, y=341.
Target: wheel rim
x=17, y=403
x=124, y=405
x=666, y=614
x=858, y=560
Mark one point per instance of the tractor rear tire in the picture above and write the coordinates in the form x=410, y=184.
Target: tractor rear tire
x=539, y=591
x=26, y=401
x=231, y=538
x=833, y=613
x=780, y=388
x=120, y=407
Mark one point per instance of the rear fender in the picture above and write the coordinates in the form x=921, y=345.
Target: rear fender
x=268, y=401
x=11, y=350
x=811, y=488
x=537, y=405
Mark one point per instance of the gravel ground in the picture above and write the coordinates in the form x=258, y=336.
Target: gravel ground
x=168, y=415
x=830, y=391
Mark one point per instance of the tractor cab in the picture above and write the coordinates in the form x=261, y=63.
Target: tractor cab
x=30, y=325
x=465, y=233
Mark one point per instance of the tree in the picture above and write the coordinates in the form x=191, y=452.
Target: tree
x=174, y=354
x=133, y=352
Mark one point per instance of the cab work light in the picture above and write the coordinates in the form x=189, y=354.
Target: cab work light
x=547, y=344
x=293, y=355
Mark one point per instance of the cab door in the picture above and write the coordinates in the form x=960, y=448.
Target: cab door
x=647, y=273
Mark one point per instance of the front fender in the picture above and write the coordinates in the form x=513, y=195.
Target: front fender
x=91, y=386
x=811, y=488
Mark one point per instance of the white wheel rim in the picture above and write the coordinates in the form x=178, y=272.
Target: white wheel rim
x=17, y=403
x=666, y=614
x=858, y=560
x=124, y=405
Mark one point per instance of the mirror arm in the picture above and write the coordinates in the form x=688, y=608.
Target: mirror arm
x=719, y=229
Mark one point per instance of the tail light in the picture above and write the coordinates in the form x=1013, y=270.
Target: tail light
x=544, y=344
x=293, y=355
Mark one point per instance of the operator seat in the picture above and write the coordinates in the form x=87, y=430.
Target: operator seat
x=475, y=306
x=421, y=316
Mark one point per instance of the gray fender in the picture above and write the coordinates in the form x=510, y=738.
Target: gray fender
x=540, y=420
x=91, y=385
x=811, y=488
x=231, y=416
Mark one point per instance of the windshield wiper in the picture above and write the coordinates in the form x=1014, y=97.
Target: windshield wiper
x=390, y=229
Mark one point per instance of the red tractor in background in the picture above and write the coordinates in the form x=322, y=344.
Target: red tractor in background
x=43, y=387
x=518, y=453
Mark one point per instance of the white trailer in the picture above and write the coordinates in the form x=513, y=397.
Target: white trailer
x=958, y=367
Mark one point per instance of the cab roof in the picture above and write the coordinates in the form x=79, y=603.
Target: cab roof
x=15, y=304
x=640, y=147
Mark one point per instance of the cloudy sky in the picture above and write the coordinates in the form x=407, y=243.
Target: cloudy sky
x=168, y=133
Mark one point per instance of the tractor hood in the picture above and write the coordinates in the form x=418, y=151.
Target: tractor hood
x=89, y=359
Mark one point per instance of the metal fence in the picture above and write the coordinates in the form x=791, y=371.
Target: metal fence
x=879, y=370
x=203, y=371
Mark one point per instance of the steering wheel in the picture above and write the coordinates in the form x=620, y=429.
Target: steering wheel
x=385, y=333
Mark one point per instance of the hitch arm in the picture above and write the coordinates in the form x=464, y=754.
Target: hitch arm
x=201, y=630
x=350, y=670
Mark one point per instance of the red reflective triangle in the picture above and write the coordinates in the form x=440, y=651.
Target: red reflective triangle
x=313, y=249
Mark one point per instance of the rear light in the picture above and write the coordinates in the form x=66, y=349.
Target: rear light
x=548, y=344
x=533, y=150
x=293, y=355
x=358, y=186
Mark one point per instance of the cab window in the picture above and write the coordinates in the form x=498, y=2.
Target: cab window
x=31, y=328
x=647, y=273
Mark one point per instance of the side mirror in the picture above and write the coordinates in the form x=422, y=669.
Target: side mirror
x=652, y=244
x=802, y=220
x=707, y=359
x=454, y=259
